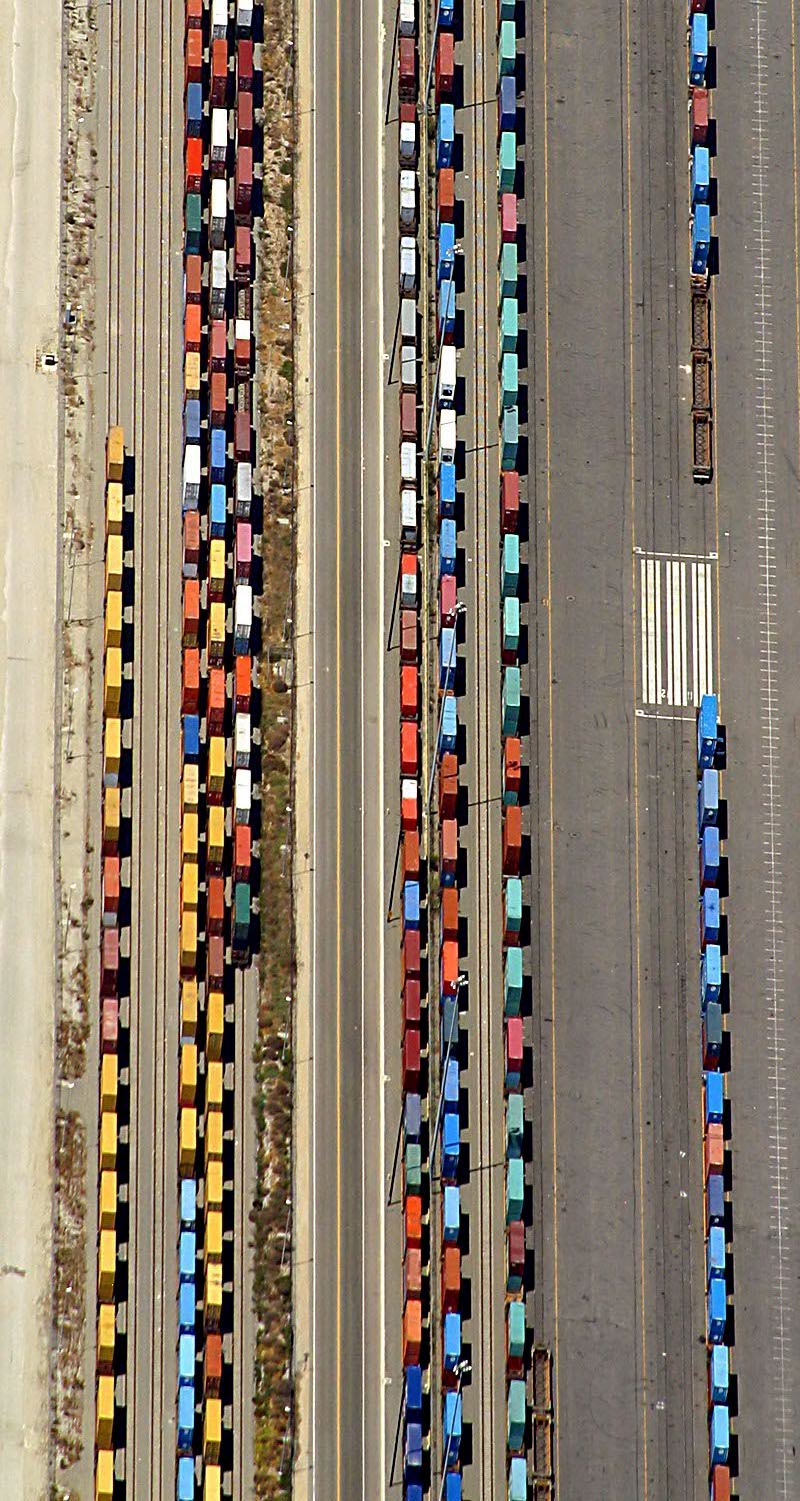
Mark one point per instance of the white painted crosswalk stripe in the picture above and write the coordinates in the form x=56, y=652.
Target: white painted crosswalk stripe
x=675, y=606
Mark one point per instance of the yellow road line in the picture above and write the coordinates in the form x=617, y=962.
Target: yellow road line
x=337, y=443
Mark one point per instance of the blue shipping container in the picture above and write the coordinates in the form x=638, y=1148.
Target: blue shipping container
x=512, y=982
x=449, y=736
x=719, y=1373
x=452, y=1086
x=509, y=568
x=451, y=1213
x=715, y=1253
x=446, y=15
x=413, y=1391
x=188, y=1255
x=191, y=736
x=194, y=109
x=186, y=1357
x=413, y=1449
x=719, y=1435
x=411, y=904
x=507, y=105
x=517, y=1479
x=451, y=1147
x=445, y=135
x=715, y=1191
x=451, y=1427
x=712, y=1033
x=707, y=800
x=218, y=510
x=413, y=1117
x=447, y=546
x=511, y=700
x=218, y=455
x=709, y=856
x=448, y=1027
x=452, y=1489
x=448, y=658
x=446, y=260
x=187, y=1307
x=447, y=308
x=701, y=239
x=707, y=730
x=700, y=175
x=188, y=1201
x=191, y=421
x=185, y=1463
x=714, y=1099
x=698, y=48
x=186, y=1418
x=452, y=1340
x=709, y=916
x=710, y=975
x=447, y=490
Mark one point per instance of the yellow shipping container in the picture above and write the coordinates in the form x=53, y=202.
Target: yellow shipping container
x=212, y=1483
x=108, y=1140
x=214, y=1185
x=112, y=632
x=112, y=751
x=106, y=1335
x=114, y=508
x=188, y=1141
x=112, y=681
x=216, y=834
x=115, y=453
x=190, y=880
x=216, y=567
x=190, y=836
x=212, y=1303
x=114, y=562
x=112, y=813
x=109, y=1081
x=212, y=1429
x=216, y=631
x=188, y=1073
x=213, y=1138
x=188, y=940
x=212, y=1243
x=191, y=786
x=104, y=1419
x=108, y=1199
x=215, y=1023
x=106, y=1265
x=192, y=373
x=189, y=1008
x=216, y=765
x=214, y=1075
x=104, y=1476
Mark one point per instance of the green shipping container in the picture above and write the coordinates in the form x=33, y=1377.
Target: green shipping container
x=510, y=565
x=241, y=908
x=507, y=48
x=514, y=1125
x=515, y=1436
x=508, y=271
x=511, y=624
x=194, y=223
x=509, y=379
x=512, y=983
x=507, y=10
x=516, y=1329
x=509, y=325
x=515, y=1189
x=508, y=460
x=511, y=700
x=413, y=1166
x=512, y=897
x=507, y=162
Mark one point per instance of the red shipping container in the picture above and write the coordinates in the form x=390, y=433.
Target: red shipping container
x=219, y=73
x=192, y=327
x=411, y=1060
x=243, y=255
x=193, y=70
x=109, y=1025
x=216, y=700
x=243, y=679
x=191, y=539
x=191, y=611
x=448, y=785
x=446, y=195
x=721, y=1483
x=215, y=963
x=450, y=911
x=109, y=961
x=512, y=840
x=193, y=153
x=408, y=416
x=244, y=118
x=515, y=1248
x=218, y=344
x=244, y=63
x=111, y=884
x=194, y=278
x=445, y=62
x=411, y=855
x=412, y=1332
x=508, y=218
x=243, y=180
x=512, y=765
x=215, y=905
x=696, y=5
x=514, y=1044
x=448, y=598
x=194, y=14
x=407, y=68
x=409, y=693
x=412, y=1275
x=409, y=645
x=448, y=980
x=413, y=1221
x=448, y=839
x=191, y=681
x=699, y=117
x=412, y=1003
x=509, y=501
x=409, y=749
x=451, y=1279
x=241, y=438
x=242, y=844
x=212, y=1363
x=714, y=1150
x=219, y=398
x=410, y=954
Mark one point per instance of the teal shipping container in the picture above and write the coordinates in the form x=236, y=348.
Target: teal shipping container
x=507, y=9
x=512, y=904
x=509, y=325
x=507, y=48
x=509, y=380
x=514, y=1125
x=517, y=1480
x=194, y=223
x=509, y=567
x=510, y=439
x=515, y=1189
x=515, y=1434
x=413, y=1166
x=512, y=982
x=508, y=271
x=511, y=626
x=516, y=1329
x=511, y=700
x=507, y=162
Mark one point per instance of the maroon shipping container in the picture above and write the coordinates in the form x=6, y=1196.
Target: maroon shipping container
x=218, y=344
x=194, y=279
x=407, y=68
x=411, y=1059
x=243, y=255
x=110, y=885
x=445, y=61
x=241, y=354
x=409, y=642
x=215, y=967
x=699, y=117
x=509, y=501
x=242, y=446
x=512, y=840
x=109, y=962
x=109, y=1025
x=448, y=598
x=212, y=1363
x=244, y=118
x=219, y=73
x=191, y=540
x=194, y=14
x=408, y=416
x=412, y=1003
x=409, y=749
x=446, y=195
x=515, y=1243
x=243, y=181
x=411, y=954
x=508, y=218
x=244, y=63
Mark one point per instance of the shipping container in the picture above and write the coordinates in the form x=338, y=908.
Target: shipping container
x=112, y=752
x=107, y=1207
x=106, y=1264
x=451, y=1279
x=115, y=453
x=112, y=625
x=109, y=1024
x=699, y=116
x=191, y=544
x=106, y=1337
x=445, y=195
x=115, y=564
x=111, y=820
x=506, y=49
x=188, y=1008
x=444, y=67
x=445, y=136
x=115, y=508
x=507, y=172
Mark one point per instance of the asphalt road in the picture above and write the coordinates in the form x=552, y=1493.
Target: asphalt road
x=618, y=1237
x=757, y=316
x=141, y=82
x=350, y=884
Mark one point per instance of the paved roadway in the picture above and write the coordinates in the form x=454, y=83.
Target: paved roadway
x=348, y=620
x=140, y=87
x=618, y=1238
x=756, y=391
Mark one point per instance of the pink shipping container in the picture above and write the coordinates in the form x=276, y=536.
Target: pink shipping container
x=448, y=594
x=508, y=218
x=514, y=1045
x=243, y=181
x=244, y=118
x=218, y=344
x=244, y=551
x=241, y=438
x=109, y=1025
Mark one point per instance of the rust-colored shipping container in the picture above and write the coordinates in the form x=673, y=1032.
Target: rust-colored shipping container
x=413, y=1221
x=243, y=675
x=190, y=691
x=449, y=911
x=212, y=1364
x=721, y=1483
x=412, y=1004
x=193, y=57
x=109, y=962
x=216, y=700
x=512, y=840
x=194, y=278
x=411, y=855
x=699, y=117
x=408, y=416
x=110, y=885
x=446, y=195
x=448, y=785
x=242, y=268
x=448, y=978
x=410, y=954
x=451, y=1279
x=407, y=68
x=215, y=905
x=409, y=749
x=192, y=326
x=412, y=1332
x=219, y=73
x=714, y=1150
x=409, y=693
x=412, y=1274
x=244, y=63
x=219, y=398
x=215, y=969
x=448, y=598
x=242, y=842
x=515, y=1249
x=509, y=501
x=512, y=766
x=243, y=181
x=109, y=1025
x=194, y=14
x=191, y=611
x=218, y=344
x=193, y=156
x=448, y=841
x=244, y=118
x=409, y=809
x=445, y=65
x=191, y=539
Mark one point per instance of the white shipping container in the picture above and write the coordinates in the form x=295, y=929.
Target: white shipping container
x=244, y=15
x=408, y=463
x=244, y=489
x=409, y=790
x=242, y=795
x=242, y=739
x=408, y=17
x=408, y=514
x=408, y=320
x=243, y=611
x=219, y=18
x=242, y=331
x=447, y=375
x=408, y=590
x=408, y=141
x=219, y=279
x=447, y=435
x=191, y=476
x=408, y=264
x=408, y=367
x=408, y=200
x=219, y=212
x=219, y=136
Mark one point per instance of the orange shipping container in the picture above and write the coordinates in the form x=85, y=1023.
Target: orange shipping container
x=450, y=911
x=512, y=765
x=215, y=906
x=448, y=785
x=446, y=194
x=212, y=1367
x=190, y=696
x=714, y=1150
x=411, y=855
x=242, y=841
x=192, y=324
x=451, y=1279
x=412, y=1275
x=409, y=693
x=194, y=278
x=193, y=152
x=409, y=749
x=216, y=700
x=244, y=677
x=194, y=56
x=449, y=977
x=191, y=611
x=512, y=840
x=413, y=1220
x=412, y=1332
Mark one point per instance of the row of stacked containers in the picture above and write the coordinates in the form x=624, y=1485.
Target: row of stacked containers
x=714, y=1005
x=117, y=711
x=702, y=190
x=218, y=860
x=528, y=1370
